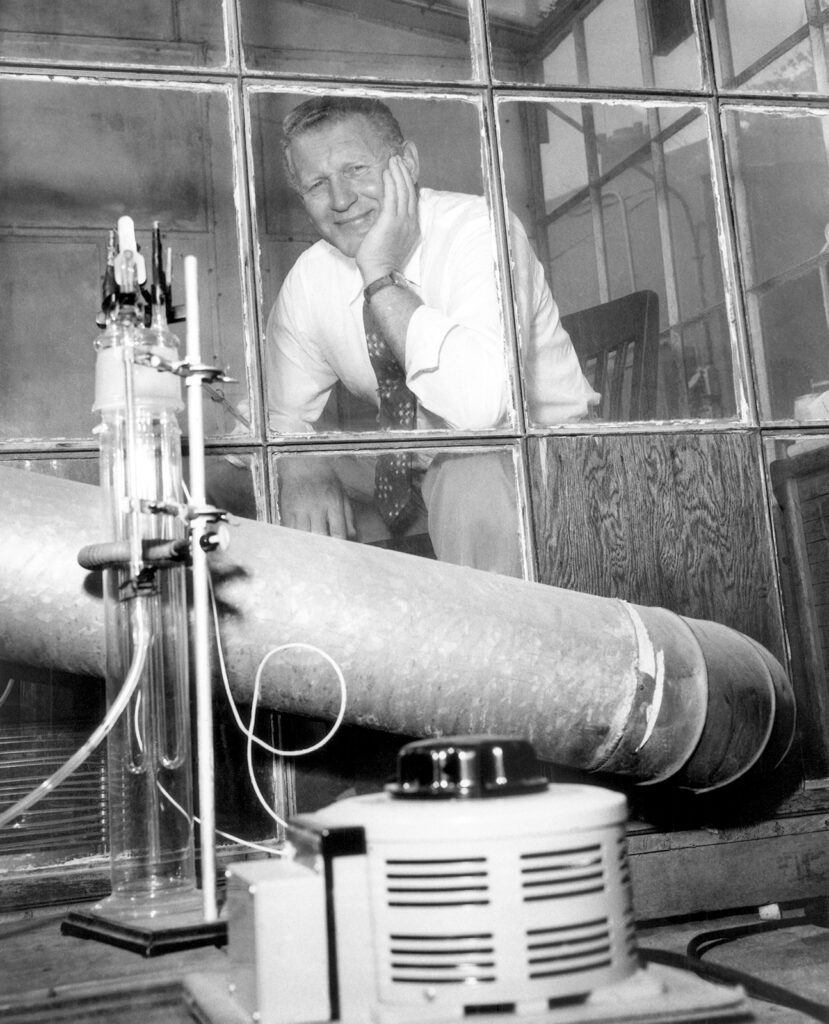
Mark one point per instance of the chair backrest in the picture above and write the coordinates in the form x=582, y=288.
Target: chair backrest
x=618, y=346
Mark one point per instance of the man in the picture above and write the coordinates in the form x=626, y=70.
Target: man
x=421, y=263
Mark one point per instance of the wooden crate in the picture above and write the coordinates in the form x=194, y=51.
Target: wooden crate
x=801, y=488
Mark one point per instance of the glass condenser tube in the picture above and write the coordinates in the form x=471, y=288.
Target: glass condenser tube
x=149, y=764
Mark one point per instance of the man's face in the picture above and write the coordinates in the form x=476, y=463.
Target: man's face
x=338, y=169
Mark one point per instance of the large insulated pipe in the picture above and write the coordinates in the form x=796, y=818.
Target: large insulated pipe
x=426, y=648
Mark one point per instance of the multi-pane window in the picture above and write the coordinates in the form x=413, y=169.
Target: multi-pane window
x=662, y=162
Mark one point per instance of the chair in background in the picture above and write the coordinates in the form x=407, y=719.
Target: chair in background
x=617, y=344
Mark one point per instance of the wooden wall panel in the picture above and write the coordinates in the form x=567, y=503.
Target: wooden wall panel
x=674, y=520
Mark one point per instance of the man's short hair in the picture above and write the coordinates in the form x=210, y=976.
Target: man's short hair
x=320, y=111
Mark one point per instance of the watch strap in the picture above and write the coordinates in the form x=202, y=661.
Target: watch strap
x=386, y=281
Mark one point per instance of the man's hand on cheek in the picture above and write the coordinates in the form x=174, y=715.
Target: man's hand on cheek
x=394, y=235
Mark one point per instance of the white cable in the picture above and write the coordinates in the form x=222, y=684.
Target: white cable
x=5, y=695
x=275, y=750
x=141, y=639
x=192, y=819
x=338, y=721
x=253, y=846
x=234, y=839
x=255, y=785
x=247, y=730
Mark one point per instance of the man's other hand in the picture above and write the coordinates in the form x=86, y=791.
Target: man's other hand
x=312, y=499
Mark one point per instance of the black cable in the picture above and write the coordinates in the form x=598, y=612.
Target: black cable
x=701, y=943
x=755, y=987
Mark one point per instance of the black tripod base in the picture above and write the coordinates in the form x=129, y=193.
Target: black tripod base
x=148, y=936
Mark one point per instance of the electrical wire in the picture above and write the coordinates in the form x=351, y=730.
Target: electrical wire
x=248, y=729
x=756, y=987
x=701, y=943
x=141, y=639
x=249, y=733
x=5, y=695
x=192, y=819
x=260, y=847
x=260, y=796
x=338, y=721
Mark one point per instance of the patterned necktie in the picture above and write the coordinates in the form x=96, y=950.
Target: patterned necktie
x=393, y=491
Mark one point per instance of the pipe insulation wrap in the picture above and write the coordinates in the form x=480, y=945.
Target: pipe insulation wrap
x=427, y=648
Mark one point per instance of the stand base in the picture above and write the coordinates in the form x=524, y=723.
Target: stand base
x=655, y=994
x=146, y=935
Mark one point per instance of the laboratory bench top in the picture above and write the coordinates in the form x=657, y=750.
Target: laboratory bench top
x=47, y=976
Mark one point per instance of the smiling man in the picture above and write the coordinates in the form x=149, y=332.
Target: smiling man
x=398, y=300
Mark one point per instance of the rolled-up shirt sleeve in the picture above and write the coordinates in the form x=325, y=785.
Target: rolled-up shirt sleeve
x=455, y=354
x=456, y=351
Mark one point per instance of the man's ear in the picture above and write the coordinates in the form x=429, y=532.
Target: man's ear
x=408, y=151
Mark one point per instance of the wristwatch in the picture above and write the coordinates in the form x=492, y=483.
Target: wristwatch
x=388, y=280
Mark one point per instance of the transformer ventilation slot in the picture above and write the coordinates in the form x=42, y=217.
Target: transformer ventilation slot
x=568, y=949
x=557, y=874
x=443, y=959
x=437, y=883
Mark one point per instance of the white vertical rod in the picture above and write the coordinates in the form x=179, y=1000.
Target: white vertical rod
x=201, y=620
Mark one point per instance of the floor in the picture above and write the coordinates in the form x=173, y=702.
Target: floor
x=46, y=976
x=792, y=953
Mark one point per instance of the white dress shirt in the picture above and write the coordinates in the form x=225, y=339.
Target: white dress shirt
x=456, y=360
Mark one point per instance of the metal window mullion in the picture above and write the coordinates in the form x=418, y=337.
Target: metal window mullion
x=580, y=51
x=591, y=154
x=742, y=222
x=645, y=39
x=666, y=243
x=529, y=115
x=481, y=50
x=663, y=208
x=817, y=44
x=497, y=191
x=596, y=206
x=743, y=378
x=725, y=52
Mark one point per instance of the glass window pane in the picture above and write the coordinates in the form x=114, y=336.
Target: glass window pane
x=319, y=374
x=233, y=482
x=372, y=38
x=648, y=44
x=102, y=151
x=775, y=46
x=778, y=162
x=463, y=503
x=175, y=33
x=618, y=200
